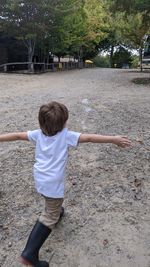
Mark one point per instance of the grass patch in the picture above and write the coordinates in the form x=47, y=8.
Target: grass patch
x=142, y=81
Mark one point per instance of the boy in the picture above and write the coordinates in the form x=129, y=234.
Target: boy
x=51, y=142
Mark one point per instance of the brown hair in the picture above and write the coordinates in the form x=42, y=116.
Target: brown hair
x=52, y=118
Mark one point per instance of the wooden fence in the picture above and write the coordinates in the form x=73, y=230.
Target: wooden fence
x=30, y=67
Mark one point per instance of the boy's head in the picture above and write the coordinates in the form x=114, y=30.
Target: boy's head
x=52, y=118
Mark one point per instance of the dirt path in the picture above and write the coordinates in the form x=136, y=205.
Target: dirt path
x=107, y=202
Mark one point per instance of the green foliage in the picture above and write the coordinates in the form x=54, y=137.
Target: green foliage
x=135, y=62
x=134, y=17
x=24, y=19
x=129, y=22
x=27, y=20
x=122, y=57
x=132, y=6
x=101, y=61
x=84, y=29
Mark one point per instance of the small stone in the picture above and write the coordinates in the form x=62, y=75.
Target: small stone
x=5, y=227
x=118, y=249
x=139, y=140
x=9, y=244
x=105, y=242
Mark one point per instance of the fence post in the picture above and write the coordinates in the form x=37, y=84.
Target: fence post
x=53, y=67
x=5, y=68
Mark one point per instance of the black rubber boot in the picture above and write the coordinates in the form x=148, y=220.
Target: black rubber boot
x=37, y=237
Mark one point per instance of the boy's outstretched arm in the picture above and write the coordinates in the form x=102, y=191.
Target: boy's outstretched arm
x=121, y=141
x=14, y=137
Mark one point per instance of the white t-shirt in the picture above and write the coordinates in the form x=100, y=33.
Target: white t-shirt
x=51, y=154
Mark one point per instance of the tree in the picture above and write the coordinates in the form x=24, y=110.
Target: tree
x=133, y=29
x=85, y=28
x=137, y=10
x=113, y=38
x=28, y=20
x=130, y=23
x=68, y=27
x=58, y=26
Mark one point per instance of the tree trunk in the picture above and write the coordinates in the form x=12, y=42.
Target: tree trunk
x=81, y=57
x=111, y=56
x=140, y=58
x=47, y=62
x=30, y=44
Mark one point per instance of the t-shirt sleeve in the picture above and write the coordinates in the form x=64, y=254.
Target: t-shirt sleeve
x=72, y=138
x=32, y=136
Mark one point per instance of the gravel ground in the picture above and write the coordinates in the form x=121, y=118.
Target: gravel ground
x=107, y=203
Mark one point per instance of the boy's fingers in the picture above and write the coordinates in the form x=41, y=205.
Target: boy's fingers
x=126, y=140
x=125, y=143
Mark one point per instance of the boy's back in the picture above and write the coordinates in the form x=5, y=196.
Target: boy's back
x=51, y=156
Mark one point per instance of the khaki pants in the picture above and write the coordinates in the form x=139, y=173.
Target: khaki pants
x=51, y=212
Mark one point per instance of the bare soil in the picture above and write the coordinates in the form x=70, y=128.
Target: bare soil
x=107, y=201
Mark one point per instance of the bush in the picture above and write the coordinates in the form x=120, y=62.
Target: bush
x=102, y=61
x=135, y=62
x=121, y=58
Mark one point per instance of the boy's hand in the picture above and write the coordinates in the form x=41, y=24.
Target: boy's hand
x=121, y=141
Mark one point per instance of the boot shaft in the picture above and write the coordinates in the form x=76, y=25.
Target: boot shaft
x=37, y=237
